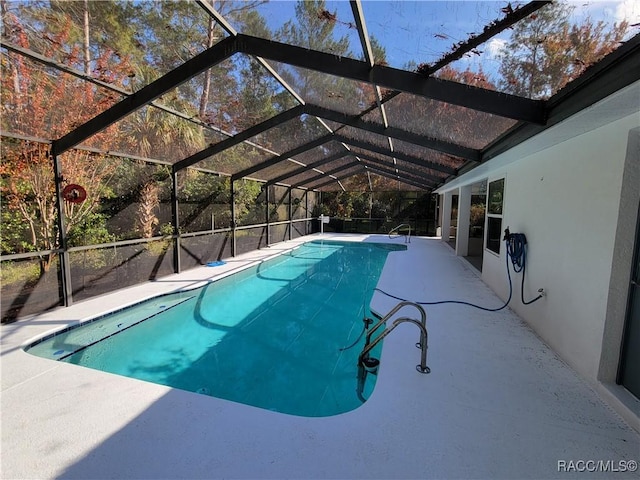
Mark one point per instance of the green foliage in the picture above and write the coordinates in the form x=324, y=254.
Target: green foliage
x=154, y=133
x=386, y=205
x=91, y=231
x=379, y=52
x=19, y=272
x=522, y=59
x=14, y=233
x=249, y=208
x=346, y=204
x=314, y=28
x=256, y=95
x=546, y=51
x=196, y=186
x=112, y=24
x=158, y=248
x=320, y=209
x=477, y=214
x=203, y=195
x=380, y=209
x=361, y=204
x=88, y=260
x=166, y=229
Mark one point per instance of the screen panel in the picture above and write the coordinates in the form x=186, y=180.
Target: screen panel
x=40, y=101
x=134, y=41
x=414, y=33
x=328, y=26
x=442, y=121
x=290, y=134
x=328, y=91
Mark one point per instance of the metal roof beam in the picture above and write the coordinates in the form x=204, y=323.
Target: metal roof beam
x=220, y=20
x=356, y=9
x=614, y=72
x=490, y=31
x=189, y=69
x=400, y=174
x=337, y=179
x=239, y=137
x=395, y=176
x=330, y=172
x=396, y=154
x=476, y=98
x=348, y=141
x=283, y=157
x=467, y=46
x=399, y=134
x=114, y=88
x=416, y=172
x=358, y=15
x=311, y=166
x=25, y=52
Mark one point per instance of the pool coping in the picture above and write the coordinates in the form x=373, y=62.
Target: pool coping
x=495, y=392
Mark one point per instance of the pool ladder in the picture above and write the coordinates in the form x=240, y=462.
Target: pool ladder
x=422, y=325
x=367, y=364
x=407, y=237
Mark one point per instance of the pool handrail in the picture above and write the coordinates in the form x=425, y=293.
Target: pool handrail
x=422, y=325
x=422, y=367
x=407, y=238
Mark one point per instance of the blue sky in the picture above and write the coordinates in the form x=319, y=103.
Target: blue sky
x=423, y=31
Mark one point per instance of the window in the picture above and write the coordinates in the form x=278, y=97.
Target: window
x=494, y=215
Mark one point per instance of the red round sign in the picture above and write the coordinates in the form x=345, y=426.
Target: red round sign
x=73, y=193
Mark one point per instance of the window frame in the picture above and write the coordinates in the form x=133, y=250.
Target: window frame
x=497, y=216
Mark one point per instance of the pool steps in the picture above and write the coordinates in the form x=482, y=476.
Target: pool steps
x=72, y=339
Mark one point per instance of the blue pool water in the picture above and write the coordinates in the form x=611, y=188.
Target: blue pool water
x=273, y=336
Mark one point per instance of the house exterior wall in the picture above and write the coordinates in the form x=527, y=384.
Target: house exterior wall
x=565, y=199
x=564, y=190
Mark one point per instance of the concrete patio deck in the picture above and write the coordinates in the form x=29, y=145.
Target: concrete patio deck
x=498, y=402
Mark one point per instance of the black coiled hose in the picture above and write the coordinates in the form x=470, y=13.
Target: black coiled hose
x=516, y=252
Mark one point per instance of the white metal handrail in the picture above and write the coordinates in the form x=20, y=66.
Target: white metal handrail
x=422, y=325
x=407, y=238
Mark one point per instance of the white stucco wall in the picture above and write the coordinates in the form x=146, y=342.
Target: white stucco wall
x=565, y=198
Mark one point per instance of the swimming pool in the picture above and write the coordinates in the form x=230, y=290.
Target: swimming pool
x=283, y=335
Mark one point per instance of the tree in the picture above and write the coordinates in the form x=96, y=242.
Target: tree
x=313, y=28
x=546, y=51
x=29, y=190
x=156, y=134
x=97, y=26
x=38, y=101
x=250, y=208
x=204, y=200
x=444, y=121
x=241, y=13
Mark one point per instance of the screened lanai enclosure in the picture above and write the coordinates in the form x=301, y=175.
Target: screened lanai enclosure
x=143, y=138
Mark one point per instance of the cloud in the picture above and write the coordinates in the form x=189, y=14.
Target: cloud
x=495, y=47
x=628, y=10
